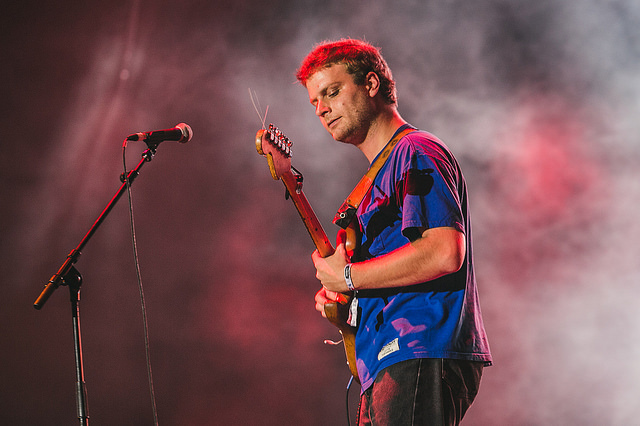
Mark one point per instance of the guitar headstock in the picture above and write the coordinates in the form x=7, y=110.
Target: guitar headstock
x=274, y=145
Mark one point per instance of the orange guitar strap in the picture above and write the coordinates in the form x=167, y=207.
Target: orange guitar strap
x=347, y=210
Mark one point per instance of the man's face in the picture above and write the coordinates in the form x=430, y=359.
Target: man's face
x=344, y=108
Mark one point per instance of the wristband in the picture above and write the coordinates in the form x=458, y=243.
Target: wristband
x=347, y=277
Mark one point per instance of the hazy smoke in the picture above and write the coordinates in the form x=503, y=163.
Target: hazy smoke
x=539, y=101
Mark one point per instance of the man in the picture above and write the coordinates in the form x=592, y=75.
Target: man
x=420, y=341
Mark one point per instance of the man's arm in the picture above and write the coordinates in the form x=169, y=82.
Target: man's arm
x=438, y=252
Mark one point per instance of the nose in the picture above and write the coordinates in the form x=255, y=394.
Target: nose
x=321, y=109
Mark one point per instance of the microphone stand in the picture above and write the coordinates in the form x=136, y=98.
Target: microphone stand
x=68, y=275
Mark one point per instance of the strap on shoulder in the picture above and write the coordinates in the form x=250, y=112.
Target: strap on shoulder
x=347, y=211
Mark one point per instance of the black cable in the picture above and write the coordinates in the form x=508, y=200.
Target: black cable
x=139, y=278
x=347, y=400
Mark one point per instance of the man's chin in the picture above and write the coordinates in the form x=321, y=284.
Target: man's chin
x=344, y=137
x=339, y=136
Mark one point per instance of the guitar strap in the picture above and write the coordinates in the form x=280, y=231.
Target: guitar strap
x=347, y=210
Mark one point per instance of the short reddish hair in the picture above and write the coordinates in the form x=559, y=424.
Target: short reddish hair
x=360, y=58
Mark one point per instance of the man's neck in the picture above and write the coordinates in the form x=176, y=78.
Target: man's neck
x=380, y=132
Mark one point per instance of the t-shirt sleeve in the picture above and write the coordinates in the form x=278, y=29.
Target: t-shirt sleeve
x=426, y=187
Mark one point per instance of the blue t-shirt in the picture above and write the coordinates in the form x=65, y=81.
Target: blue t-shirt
x=420, y=186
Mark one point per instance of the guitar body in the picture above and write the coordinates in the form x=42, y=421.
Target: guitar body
x=276, y=147
x=338, y=313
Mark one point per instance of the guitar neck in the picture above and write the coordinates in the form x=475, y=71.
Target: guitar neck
x=307, y=214
x=276, y=147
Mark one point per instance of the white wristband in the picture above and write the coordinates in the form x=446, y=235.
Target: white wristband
x=347, y=277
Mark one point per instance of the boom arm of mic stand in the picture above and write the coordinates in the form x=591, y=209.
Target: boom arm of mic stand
x=58, y=278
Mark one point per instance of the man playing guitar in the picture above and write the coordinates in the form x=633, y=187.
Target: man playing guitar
x=420, y=344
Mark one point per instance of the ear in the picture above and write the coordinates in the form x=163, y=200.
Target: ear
x=372, y=83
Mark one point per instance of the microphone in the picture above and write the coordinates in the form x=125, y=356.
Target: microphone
x=181, y=133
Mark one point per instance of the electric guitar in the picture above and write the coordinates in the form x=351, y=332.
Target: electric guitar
x=276, y=147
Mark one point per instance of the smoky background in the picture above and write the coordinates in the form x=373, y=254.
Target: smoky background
x=539, y=102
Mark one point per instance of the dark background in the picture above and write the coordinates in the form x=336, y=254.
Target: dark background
x=539, y=101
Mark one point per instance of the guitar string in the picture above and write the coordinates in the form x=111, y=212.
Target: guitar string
x=254, y=100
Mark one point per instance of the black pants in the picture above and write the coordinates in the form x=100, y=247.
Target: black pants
x=433, y=392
